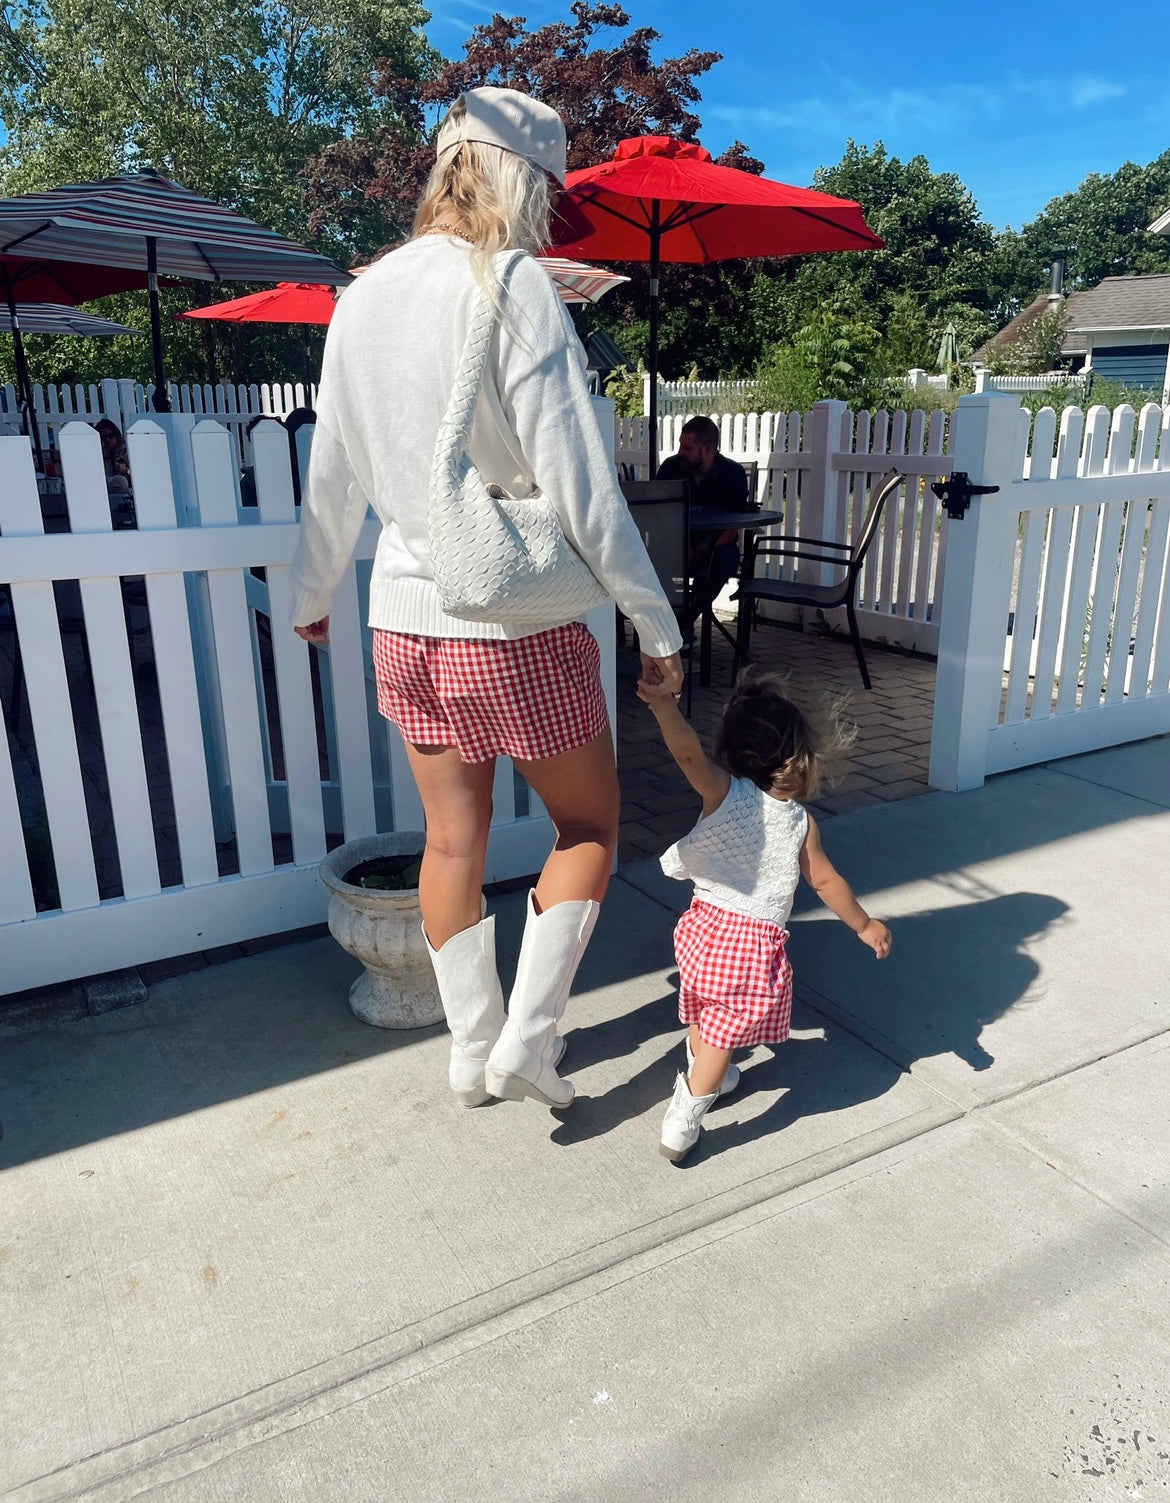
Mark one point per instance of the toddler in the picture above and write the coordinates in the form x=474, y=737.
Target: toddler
x=752, y=843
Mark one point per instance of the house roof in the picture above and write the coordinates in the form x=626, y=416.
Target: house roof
x=1140, y=302
x=1161, y=225
x=1117, y=303
x=603, y=354
x=1122, y=303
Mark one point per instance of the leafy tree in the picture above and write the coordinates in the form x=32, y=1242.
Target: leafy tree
x=231, y=100
x=1101, y=227
x=939, y=262
x=605, y=85
x=833, y=355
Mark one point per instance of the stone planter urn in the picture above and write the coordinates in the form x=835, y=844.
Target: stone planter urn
x=382, y=929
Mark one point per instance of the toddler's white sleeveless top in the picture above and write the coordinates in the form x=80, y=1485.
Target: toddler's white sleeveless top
x=744, y=856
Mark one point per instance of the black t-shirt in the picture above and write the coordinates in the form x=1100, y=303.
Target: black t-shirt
x=723, y=488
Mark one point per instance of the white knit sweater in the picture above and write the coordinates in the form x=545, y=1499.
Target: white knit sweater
x=390, y=358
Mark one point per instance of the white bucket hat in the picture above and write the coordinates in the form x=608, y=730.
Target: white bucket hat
x=512, y=121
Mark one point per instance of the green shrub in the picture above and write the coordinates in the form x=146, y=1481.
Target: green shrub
x=625, y=390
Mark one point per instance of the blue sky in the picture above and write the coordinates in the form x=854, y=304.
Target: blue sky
x=1021, y=102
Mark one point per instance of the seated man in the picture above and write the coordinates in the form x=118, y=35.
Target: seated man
x=717, y=484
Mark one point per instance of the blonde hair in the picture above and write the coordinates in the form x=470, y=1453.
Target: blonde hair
x=501, y=199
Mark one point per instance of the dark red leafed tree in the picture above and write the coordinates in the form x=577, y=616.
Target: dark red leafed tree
x=595, y=70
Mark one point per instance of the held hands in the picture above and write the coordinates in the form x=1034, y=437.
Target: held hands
x=661, y=680
x=316, y=633
x=877, y=937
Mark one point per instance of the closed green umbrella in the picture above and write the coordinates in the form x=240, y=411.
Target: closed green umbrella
x=948, y=348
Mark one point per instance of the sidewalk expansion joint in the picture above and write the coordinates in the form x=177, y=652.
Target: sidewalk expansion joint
x=191, y=1446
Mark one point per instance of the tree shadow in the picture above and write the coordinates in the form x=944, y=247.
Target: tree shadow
x=952, y=972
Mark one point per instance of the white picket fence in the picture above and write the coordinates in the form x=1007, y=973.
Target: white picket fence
x=124, y=401
x=817, y=468
x=1074, y=381
x=684, y=398
x=1069, y=564
x=176, y=760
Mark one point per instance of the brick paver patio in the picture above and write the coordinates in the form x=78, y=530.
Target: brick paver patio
x=888, y=761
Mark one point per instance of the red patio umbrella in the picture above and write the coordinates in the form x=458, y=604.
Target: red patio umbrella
x=286, y=303
x=658, y=199
x=308, y=303
x=27, y=279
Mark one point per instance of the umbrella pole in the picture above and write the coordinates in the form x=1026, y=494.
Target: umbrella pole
x=655, y=267
x=162, y=400
x=23, y=380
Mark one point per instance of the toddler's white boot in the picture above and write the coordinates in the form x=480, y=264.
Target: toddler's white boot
x=473, y=1001
x=680, y=1126
x=524, y=1059
x=730, y=1078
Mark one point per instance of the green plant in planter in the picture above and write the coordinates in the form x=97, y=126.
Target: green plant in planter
x=386, y=873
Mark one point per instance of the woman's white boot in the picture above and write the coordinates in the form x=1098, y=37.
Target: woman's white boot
x=681, y=1125
x=473, y=1001
x=523, y=1061
x=730, y=1075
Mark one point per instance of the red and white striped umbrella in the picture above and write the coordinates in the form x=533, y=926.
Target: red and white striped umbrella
x=145, y=222
x=578, y=283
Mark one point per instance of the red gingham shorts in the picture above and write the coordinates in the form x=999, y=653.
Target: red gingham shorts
x=735, y=981
x=528, y=699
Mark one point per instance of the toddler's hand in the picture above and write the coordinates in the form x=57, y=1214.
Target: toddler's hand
x=877, y=937
x=657, y=695
x=664, y=671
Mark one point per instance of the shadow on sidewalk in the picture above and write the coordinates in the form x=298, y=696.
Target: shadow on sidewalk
x=952, y=972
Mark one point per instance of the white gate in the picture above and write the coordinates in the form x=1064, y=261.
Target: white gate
x=176, y=760
x=1069, y=564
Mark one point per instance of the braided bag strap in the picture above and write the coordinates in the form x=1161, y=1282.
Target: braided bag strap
x=455, y=428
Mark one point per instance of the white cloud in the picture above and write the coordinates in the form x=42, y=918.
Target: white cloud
x=1086, y=91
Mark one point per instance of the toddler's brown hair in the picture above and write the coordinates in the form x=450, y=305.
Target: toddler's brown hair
x=764, y=736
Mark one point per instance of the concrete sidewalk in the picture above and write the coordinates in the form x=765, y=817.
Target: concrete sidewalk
x=250, y=1249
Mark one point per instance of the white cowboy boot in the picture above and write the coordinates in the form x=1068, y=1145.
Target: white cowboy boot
x=473, y=1000
x=524, y=1059
x=730, y=1078
x=680, y=1126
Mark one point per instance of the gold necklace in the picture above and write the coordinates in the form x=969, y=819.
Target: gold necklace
x=449, y=229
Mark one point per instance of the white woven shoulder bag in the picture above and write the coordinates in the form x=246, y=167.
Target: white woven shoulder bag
x=495, y=557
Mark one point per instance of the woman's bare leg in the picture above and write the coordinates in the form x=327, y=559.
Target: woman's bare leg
x=457, y=800
x=580, y=791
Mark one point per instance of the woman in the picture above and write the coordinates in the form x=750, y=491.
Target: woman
x=115, y=457
x=464, y=693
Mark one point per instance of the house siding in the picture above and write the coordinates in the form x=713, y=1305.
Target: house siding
x=1133, y=364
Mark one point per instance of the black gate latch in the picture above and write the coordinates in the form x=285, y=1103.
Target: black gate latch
x=955, y=492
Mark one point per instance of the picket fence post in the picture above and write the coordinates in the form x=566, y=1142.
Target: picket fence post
x=977, y=594
x=824, y=426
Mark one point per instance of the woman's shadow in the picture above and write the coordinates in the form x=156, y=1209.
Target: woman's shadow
x=952, y=971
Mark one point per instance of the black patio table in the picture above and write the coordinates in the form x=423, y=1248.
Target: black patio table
x=708, y=520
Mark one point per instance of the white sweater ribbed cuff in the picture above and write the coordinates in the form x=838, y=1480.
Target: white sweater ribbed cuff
x=658, y=633
x=309, y=606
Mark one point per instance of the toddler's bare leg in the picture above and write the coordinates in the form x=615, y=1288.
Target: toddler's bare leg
x=709, y=1068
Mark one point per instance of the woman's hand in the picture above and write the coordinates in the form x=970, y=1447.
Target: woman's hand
x=666, y=672
x=316, y=633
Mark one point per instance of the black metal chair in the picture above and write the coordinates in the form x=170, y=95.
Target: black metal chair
x=661, y=510
x=816, y=551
